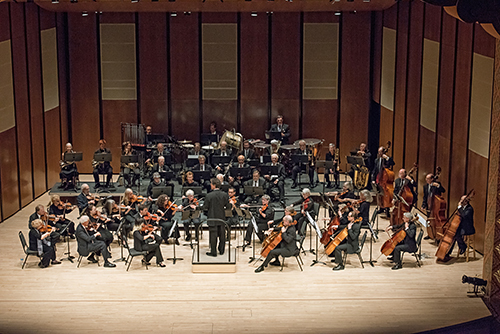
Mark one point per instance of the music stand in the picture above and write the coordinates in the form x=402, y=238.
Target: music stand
x=191, y=161
x=265, y=159
x=244, y=172
x=255, y=231
x=168, y=175
x=254, y=191
x=300, y=158
x=103, y=157
x=199, y=175
x=155, y=138
x=69, y=258
x=197, y=190
x=270, y=135
x=130, y=159
x=74, y=157
x=167, y=190
x=315, y=227
x=168, y=159
x=326, y=165
x=253, y=162
x=208, y=138
x=225, y=187
x=355, y=160
x=120, y=236
x=269, y=170
x=221, y=160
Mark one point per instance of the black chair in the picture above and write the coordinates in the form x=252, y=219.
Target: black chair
x=26, y=249
x=132, y=252
x=415, y=253
x=297, y=257
x=358, y=251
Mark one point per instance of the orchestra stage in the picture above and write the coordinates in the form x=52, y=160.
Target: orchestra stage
x=62, y=298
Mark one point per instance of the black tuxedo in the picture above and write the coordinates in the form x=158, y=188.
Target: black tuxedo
x=435, y=190
x=408, y=244
x=298, y=167
x=216, y=203
x=281, y=181
x=46, y=250
x=88, y=244
x=204, y=183
x=308, y=206
x=248, y=154
x=200, y=152
x=250, y=183
x=287, y=247
x=399, y=183
x=60, y=224
x=380, y=164
x=103, y=168
x=228, y=152
x=466, y=227
x=285, y=130
x=364, y=212
x=157, y=154
x=150, y=245
x=350, y=244
x=261, y=221
x=331, y=157
x=82, y=202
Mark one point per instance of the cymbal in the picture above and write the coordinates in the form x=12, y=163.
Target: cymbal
x=309, y=141
x=188, y=145
x=185, y=142
x=207, y=147
x=262, y=145
x=289, y=147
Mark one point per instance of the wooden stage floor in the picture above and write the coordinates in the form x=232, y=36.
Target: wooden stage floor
x=64, y=299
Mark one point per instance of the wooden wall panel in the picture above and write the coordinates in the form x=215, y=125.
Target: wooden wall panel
x=391, y=17
x=36, y=100
x=484, y=43
x=4, y=22
x=153, y=76
x=432, y=27
x=8, y=173
x=254, y=85
x=62, y=50
x=54, y=148
x=47, y=19
x=185, y=76
x=320, y=120
x=84, y=86
x=477, y=170
x=285, y=69
x=20, y=73
x=426, y=158
x=223, y=112
x=386, y=119
x=413, y=87
x=377, y=54
x=354, y=80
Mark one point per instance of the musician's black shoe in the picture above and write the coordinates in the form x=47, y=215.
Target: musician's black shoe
x=161, y=265
x=447, y=258
x=259, y=269
x=339, y=267
x=188, y=237
x=145, y=263
x=390, y=258
x=55, y=262
x=92, y=259
x=109, y=265
x=397, y=266
x=311, y=185
x=275, y=263
x=211, y=254
x=427, y=237
x=294, y=185
x=221, y=253
x=41, y=265
x=462, y=251
x=177, y=242
x=97, y=185
x=328, y=185
x=72, y=236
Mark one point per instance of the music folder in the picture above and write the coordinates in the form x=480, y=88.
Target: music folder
x=355, y=160
x=127, y=159
x=201, y=175
x=191, y=214
x=101, y=157
x=221, y=160
x=269, y=170
x=73, y=157
x=167, y=190
x=254, y=191
x=300, y=158
x=237, y=171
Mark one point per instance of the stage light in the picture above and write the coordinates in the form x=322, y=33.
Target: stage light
x=134, y=1
x=187, y=13
x=55, y=1
x=478, y=283
x=173, y=14
x=85, y=14
x=338, y=13
x=254, y=14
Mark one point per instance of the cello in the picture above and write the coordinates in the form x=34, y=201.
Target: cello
x=450, y=229
x=385, y=179
x=437, y=211
x=406, y=194
x=273, y=239
x=339, y=238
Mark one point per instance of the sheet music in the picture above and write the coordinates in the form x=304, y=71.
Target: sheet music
x=172, y=229
x=313, y=223
x=254, y=223
x=421, y=219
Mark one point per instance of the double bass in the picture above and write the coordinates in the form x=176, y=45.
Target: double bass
x=405, y=193
x=385, y=179
x=450, y=229
x=437, y=211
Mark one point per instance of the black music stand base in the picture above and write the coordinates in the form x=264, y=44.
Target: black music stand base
x=371, y=261
x=252, y=258
x=174, y=259
x=316, y=261
x=69, y=257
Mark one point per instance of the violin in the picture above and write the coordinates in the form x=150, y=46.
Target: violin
x=45, y=228
x=137, y=199
x=153, y=217
x=147, y=228
x=94, y=197
x=263, y=208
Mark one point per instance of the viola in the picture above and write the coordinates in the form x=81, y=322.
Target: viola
x=137, y=199
x=263, y=208
x=273, y=239
x=152, y=217
x=336, y=198
x=450, y=229
x=339, y=238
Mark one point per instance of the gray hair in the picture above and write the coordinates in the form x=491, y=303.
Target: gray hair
x=408, y=215
x=266, y=197
x=306, y=191
x=367, y=195
x=84, y=219
x=348, y=185
x=288, y=218
x=156, y=175
x=189, y=192
x=274, y=155
x=85, y=186
x=161, y=157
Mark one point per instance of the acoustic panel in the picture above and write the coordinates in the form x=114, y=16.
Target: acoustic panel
x=118, y=68
x=219, y=61
x=430, y=79
x=388, y=74
x=7, y=112
x=49, y=69
x=320, y=73
x=480, y=108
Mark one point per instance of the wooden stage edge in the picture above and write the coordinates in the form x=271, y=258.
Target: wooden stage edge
x=62, y=298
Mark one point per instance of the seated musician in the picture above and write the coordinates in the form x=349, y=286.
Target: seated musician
x=69, y=171
x=256, y=181
x=130, y=202
x=146, y=240
x=349, y=244
x=223, y=151
x=166, y=209
x=289, y=211
x=130, y=171
x=39, y=241
x=41, y=214
x=161, y=168
x=160, y=152
x=213, y=128
x=247, y=151
x=466, y=227
x=364, y=207
x=302, y=150
x=98, y=222
x=363, y=152
x=60, y=210
x=408, y=244
x=431, y=188
x=332, y=156
x=346, y=195
x=102, y=167
x=88, y=245
x=382, y=162
x=287, y=246
x=274, y=148
x=279, y=126
x=234, y=179
x=403, y=181
x=265, y=214
x=112, y=212
x=276, y=181
x=235, y=203
x=189, y=203
x=306, y=205
x=203, y=166
x=222, y=180
x=190, y=182
x=155, y=183
x=197, y=150
x=85, y=198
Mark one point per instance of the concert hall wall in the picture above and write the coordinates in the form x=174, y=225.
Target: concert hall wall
x=427, y=75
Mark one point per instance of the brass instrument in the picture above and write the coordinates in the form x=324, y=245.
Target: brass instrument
x=361, y=177
x=337, y=158
x=233, y=139
x=96, y=163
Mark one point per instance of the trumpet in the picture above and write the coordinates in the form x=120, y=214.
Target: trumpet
x=337, y=158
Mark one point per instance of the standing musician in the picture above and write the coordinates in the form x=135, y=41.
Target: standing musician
x=102, y=167
x=265, y=214
x=85, y=198
x=332, y=155
x=189, y=203
x=166, y=209
x=146, y=240
x=88, y=244
x=302, y=150
x=408, y=244
x=365, y=153
x=190, y=182
x=256, y=181
x=287, y=246
x=60, y=210
x=197, y=150
x=466, y=227
x=131, y=168
x=276, y=181
x=351, y=243
x=402, y=182
x=41, y=214
x=306, y=204
x=382, y=162
x=216, y=202
x=39, y=241
x=203, y=166
x=283, y=128
x=431, y=188
x=98, y=223
x=69, y=171
x=247, y=151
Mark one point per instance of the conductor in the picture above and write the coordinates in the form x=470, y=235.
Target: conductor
x=216, y=202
